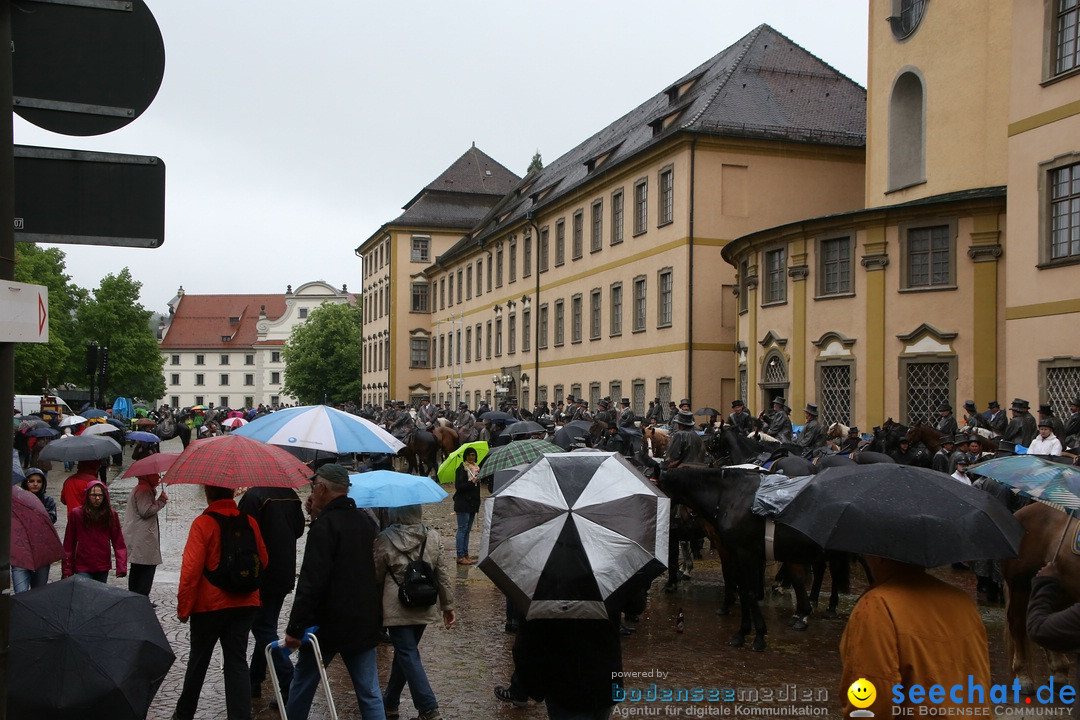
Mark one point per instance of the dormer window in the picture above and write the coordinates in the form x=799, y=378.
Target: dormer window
x=226, y=338
x=234, y=319
x=303, y=313
x=675, y=93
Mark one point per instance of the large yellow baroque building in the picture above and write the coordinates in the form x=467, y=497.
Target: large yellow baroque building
x=601, y=273
x=958, y=279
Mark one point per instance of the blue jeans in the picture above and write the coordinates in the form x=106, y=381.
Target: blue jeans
x=264, y=628
x=101, y=576
x=464, y=527
x=23, y=579
x=365, y=678
x=407, y=668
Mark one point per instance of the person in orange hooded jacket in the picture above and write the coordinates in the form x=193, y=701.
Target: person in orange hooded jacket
x=216, y=616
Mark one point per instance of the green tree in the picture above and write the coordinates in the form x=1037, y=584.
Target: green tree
x=115, y=319
x=537, y=163
x=39, y=365
x=322, y=356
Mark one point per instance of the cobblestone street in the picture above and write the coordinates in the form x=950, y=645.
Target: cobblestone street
x=465, y=663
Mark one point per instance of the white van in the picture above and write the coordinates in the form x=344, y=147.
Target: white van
x=27, y=404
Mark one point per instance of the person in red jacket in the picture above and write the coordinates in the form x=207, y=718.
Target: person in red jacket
x=74, y=490
x=92, y=534
x=216, y=616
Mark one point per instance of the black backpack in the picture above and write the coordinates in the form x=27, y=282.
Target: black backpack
x=240, y=569
x=417, y=588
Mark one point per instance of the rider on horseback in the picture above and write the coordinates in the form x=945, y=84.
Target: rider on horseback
x=465, y=424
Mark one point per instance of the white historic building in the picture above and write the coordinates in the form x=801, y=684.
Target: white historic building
x=225, y=350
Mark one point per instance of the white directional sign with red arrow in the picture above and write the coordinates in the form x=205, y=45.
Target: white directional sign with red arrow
x=24, y=312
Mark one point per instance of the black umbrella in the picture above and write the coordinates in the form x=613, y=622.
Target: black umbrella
x=903, y=513
x=82, y=649
x=572, y=432
x=81, y=447
x=496, y=416
x=524, y=427
x=707, y=411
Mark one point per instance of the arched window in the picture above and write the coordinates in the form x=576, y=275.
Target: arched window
x=907, y=132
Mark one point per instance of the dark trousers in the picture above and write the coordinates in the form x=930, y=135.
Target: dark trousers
x=141, y=578
x=230, y=627
x=264, y=628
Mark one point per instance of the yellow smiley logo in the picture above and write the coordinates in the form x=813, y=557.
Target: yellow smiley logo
x=862, y=693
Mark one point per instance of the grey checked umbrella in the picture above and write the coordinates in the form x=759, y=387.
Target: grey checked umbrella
x=516, y=453
x=574, y=535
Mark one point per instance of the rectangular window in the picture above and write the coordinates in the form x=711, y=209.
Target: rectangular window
x=224, y=380
x=575, y=319
x=616, y=217
x=640, y=301
x=249, y=379
x=468, y=344
x=223, y=401
x=596, y=237
x=543, y=329
x=199, y=400
x=775, y=276
x=489, y=271
x=460, y=295
x=498, y=337
x=499, y=266
x=479, y=278
x=450, y=291
x=275, y=356
x=421, y=249
x=542, y=252
x=200, y=359
x=174, y=401
x=560, y=242
x=478, y=343
x=302, y=312
x=526, y=255
x=249, y=359
x=663, y=307
x=420, y=297
x=174, y=379
x=665, y=210
x=641, y=206
x=468, y=283
x=594, y=314
x=928, y=257
x=513, y=261
x=1065, y=212
x=511, y=335
x=744, y=288
x=526, y=330
x=249, y=402
x=835, y=267
x=1066, y=50
x=578, y=239
x=418, y=352
x=560, y=320
x=442, y=293
x=487, y=339
x=200, y=379
x=174, y=360
x=275, y=378
x=616, y=309
x=442, y=351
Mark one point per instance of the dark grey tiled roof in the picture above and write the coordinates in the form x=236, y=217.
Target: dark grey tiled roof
x=472, y=173
x=447, y=210
x=763, y=86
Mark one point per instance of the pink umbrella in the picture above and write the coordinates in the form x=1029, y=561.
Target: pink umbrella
x=151, y=465
x=34, y=542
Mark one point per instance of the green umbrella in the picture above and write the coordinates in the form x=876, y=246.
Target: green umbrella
x=516, y=453
x=448, y=469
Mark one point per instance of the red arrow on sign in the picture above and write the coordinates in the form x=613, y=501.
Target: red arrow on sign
x=41, y=313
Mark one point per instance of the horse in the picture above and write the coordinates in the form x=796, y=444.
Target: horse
x=174, y=425
x=448, y=439
x=723, y=497
x=837, y=431
x=421, y=448
x=931, y=438
x=1042, y=543
x=658, y=438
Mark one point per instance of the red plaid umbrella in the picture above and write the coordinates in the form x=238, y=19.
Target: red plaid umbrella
x=237, y=462
x=151, y=465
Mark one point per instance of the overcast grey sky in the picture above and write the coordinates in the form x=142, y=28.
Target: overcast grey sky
x=292, y=131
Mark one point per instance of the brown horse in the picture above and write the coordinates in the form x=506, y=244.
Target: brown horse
x=1042, y=543
x=931, y=438
x=448, y=438
x=658, y=440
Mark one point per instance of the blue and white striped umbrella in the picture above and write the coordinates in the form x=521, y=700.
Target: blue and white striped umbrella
x=318, y=427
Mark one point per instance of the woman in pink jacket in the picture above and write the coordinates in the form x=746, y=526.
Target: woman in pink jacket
x=93, y=533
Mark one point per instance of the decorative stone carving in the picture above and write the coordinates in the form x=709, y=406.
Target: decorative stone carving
x=988, y=252
x=875, y=262
x=798, y=272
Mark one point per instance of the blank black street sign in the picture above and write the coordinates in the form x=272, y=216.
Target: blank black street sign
x=88, y=198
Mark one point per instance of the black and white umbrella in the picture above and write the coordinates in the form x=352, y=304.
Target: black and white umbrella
x=574, y=534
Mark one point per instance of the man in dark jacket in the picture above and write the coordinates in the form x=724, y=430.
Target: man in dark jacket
x=1071, y=436
x=996, y=418
x=1048, y=624
x=281, y=522
x=336, y=591
x=1022, y=428
x=740, y=418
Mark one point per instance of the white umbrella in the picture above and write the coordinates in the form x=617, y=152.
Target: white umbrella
x=70, y=420
x=234, y=422
x=101, y=429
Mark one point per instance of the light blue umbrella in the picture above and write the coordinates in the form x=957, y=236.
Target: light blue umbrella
x=318, y=427
x=142, y=436
x=386, y=488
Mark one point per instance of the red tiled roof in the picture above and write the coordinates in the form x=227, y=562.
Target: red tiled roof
x=200, y=321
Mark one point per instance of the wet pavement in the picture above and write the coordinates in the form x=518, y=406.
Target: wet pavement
x=797, y=676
